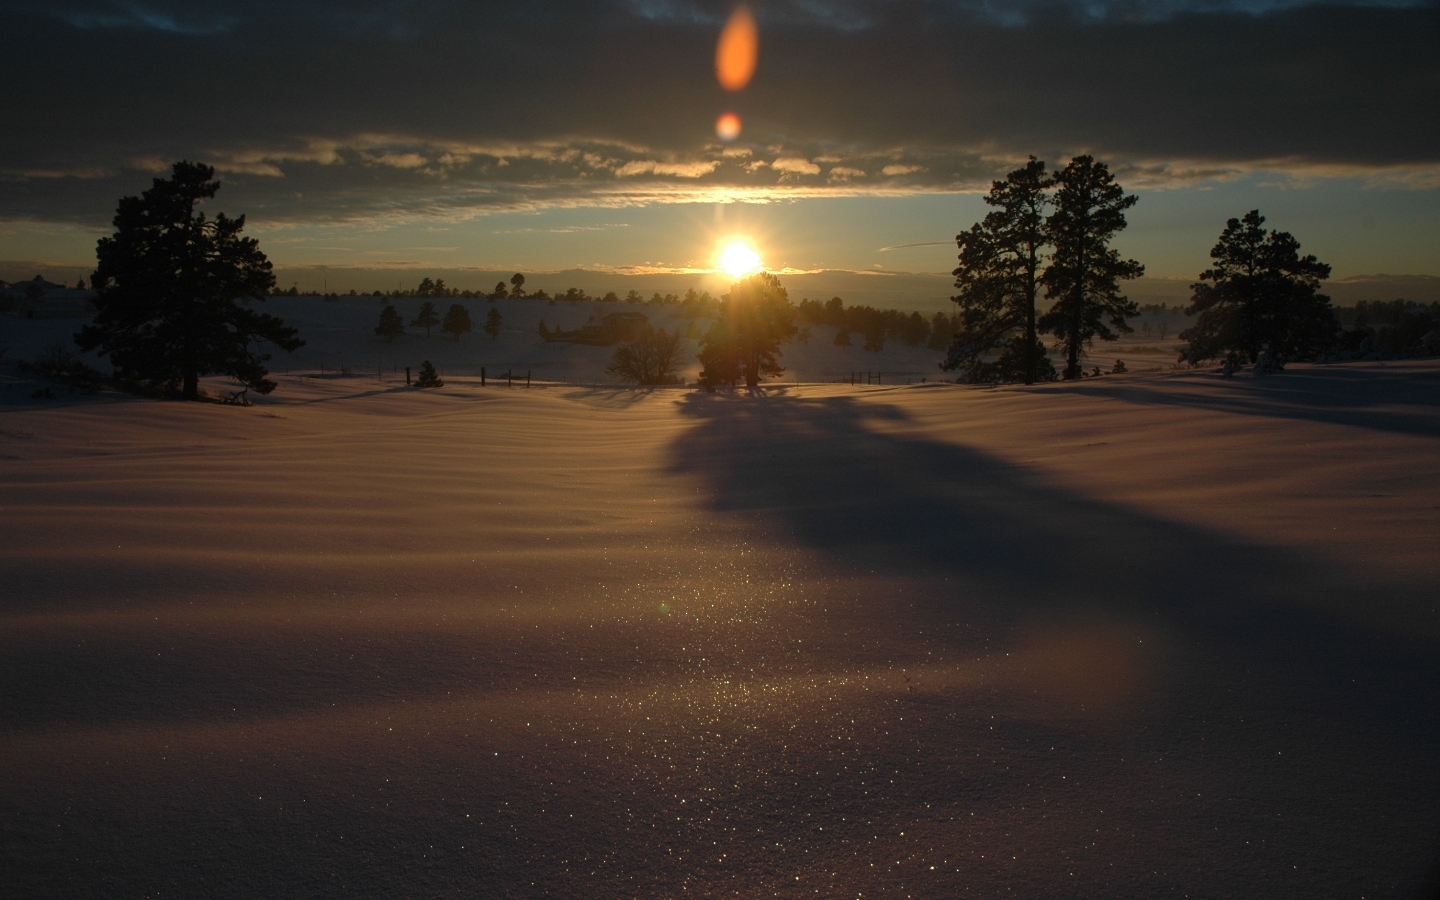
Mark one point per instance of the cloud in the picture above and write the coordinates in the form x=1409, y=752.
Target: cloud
x=677, y=170
x=792, y=165
x=343, y=111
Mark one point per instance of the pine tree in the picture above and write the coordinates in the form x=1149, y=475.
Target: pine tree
x=166, y=285
x=457, y=321
x=1084, y=273
x=493, y=320
x=998, y=280
x=391, y=325
x=428, y=377
x=1260, y=293
x=517, y=285
x=500, y=292
x=427, y=317
x=756, y=317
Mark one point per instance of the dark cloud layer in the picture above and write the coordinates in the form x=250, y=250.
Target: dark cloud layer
x=346, y=110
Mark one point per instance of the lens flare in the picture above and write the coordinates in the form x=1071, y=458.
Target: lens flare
x=737, y=50
x=738, y=259
x=727, y=127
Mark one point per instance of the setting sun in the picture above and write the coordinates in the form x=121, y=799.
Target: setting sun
x=739, y=259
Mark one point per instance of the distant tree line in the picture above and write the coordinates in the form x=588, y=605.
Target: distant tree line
x=175, y=287
x=875, y=326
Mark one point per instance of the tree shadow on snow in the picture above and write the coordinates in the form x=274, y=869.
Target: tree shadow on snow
x=1018, y=549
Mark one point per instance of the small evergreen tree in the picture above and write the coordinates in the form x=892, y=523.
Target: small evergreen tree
x=427, y=317
x=391, y=325
x=457, y=321
x=1084, y=273
x=500, y=292
x=493, y=319
x=428, y=377
x=166, y=285
x=1259, y=293
x=842, y=338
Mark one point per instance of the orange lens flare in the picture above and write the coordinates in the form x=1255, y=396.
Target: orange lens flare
x=738, y=50
x=727, y=127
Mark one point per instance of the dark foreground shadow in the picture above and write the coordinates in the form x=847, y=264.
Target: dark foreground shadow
x=1020, y=550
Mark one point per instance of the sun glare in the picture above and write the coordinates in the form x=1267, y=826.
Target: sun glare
x=739, y=259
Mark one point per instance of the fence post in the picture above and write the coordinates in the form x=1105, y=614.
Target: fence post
x=509, y=380
x=407, y=374
x=482, y=376
x=527, y=378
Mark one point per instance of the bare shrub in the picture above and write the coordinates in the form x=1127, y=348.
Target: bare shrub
x=651, y=358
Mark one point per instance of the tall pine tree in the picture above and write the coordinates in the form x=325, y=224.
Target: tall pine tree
x=457, y=321
x=391, y=325
x=1085, y=272
x=493, y=321
x=1259, y=293
x=166, y=287
x=427, y=317
x=998, y=279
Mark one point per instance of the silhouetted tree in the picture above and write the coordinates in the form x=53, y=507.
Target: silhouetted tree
x=428, y=377
x=842, y=338
x=916, y=330
x=167, y=282
x=1084, y=273
x=1259, y=293
x=427, y=317
x=941, y=332
x=517, y=282
x=391, y=325
x=756, y=317
x=650, y=358
x=457, y=321
x=500, y=293
x=492, y=323
x=998, y=280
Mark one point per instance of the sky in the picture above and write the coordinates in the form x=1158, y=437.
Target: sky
x=541, y=136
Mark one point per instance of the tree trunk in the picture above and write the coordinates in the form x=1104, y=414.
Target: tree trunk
x=1030, y=331
x=191, y=390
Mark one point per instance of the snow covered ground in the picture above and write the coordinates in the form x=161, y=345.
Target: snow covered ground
x=1145, y=635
